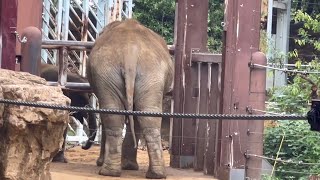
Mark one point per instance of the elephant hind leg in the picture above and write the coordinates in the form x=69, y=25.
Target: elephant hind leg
x=150, y=127
x=112, y=127
x=129, y=153
x=100, y=159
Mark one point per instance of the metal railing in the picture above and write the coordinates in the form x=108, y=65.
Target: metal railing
x=76, y=24
x=78, y=20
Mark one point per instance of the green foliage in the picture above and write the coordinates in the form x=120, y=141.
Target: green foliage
x=300, y=144
x=215, y=29
x=159, y=16
x=311, y=25
x=294, y=97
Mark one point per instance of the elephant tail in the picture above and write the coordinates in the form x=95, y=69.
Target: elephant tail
x=130, y=68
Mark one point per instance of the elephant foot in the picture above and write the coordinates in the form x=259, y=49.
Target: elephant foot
x=130, y=165
x=157, y=172
x=106, y=171
x=60, y=159
x=99, y=161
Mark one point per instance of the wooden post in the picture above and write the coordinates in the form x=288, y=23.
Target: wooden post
x=240, y=91
x=191, y=37
x=8, y=26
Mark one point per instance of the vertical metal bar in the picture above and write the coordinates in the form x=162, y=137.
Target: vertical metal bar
x=178, y=89
x=172, y=100
x=63, y=63
x=115, y=10
x=175, y=25
x=45, y=28
x=199, y=135
x=271, y=44
x=58, y=27
x=101, y=16
x=171, y=127
x=65, y=19
x=108, y=12
x=120, y=6
x=63, y=55
x=59, y=19
x=130, y=5
x=211, y=125
x=84, y=36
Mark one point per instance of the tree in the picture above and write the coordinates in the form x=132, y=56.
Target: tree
x=159, y=15
x=299, y=144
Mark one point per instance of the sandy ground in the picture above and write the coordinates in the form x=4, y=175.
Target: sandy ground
x=82, y=166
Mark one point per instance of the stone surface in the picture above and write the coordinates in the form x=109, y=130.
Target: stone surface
x=30, y=137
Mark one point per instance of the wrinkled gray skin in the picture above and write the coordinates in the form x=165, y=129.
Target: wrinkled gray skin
x=130, y=68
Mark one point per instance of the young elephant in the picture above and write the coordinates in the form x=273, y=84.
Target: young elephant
x=130, y=68
x=81, y=99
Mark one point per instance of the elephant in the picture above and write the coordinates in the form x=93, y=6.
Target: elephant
x=50, y=73
x=130, y=68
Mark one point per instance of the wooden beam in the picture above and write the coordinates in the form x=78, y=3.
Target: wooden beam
x=280, y=5
x=206, y=57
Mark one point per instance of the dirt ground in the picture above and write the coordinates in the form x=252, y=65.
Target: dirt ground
x=82, y=166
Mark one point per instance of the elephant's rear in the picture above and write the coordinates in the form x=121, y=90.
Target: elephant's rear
x=128, y=66
x=117, y=42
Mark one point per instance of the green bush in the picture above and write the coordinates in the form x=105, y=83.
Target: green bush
x=300, y=144
x=159, y=16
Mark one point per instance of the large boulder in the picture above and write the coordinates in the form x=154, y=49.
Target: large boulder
x=30, y=137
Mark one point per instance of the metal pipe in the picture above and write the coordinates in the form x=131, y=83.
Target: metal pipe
x=79, y=45
x=31, y=50
x=72, y=85
x=59, y=19
x=120, y=10
x=65, y=20
x=70, y=47
x=130, y=5
x=84, y=36
x=67, y=43
x=62, y=73
x=45, y=28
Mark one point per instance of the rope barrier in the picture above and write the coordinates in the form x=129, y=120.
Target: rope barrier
x=157, y=114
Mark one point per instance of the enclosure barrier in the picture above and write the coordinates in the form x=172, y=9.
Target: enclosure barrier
x=157, y=114
x=63, y=47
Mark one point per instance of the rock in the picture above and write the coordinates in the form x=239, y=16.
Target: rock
x=30, y=137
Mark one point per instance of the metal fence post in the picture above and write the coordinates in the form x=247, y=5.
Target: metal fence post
x=84, y=36
x=31, y=50
x=62, y=73
x=45, y=27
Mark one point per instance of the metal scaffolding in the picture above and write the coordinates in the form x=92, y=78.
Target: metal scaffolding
x=79, y=20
